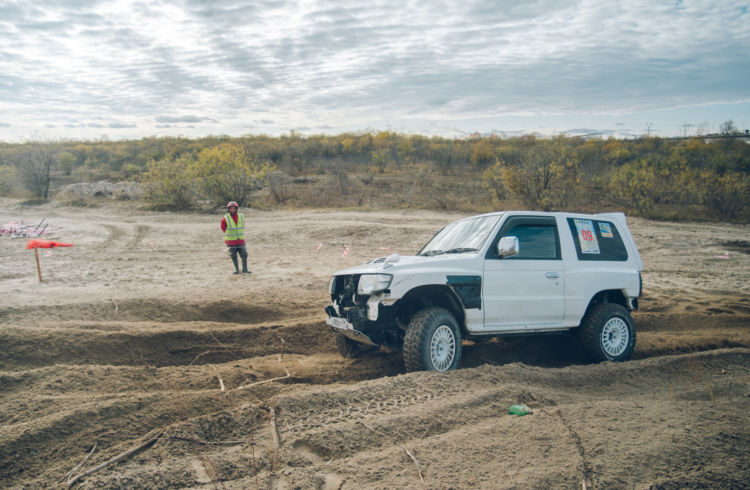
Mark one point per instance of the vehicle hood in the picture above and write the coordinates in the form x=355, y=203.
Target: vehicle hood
x=409, y=263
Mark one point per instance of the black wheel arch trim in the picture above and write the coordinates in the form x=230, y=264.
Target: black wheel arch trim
x=468, y=289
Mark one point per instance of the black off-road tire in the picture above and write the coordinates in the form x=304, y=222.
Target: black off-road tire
x=607, y=333
x=432, y=341
x=348, y=348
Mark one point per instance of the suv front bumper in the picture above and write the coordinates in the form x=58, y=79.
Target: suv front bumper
x=367, y=324
x=343, y=327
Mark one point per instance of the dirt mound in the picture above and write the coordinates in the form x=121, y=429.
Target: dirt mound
x=144, y=343
x=148, y=310
x=606, y=425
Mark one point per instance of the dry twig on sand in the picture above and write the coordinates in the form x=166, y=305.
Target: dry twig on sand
x=120, y=456
x=287, y=375
x=207, y=443
x=67, y=476
x=404, y=449
x=223, y=350
x=221, y=382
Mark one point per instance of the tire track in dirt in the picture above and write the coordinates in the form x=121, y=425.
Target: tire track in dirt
x=324, y=432
x=114, y=234
x=320, y=431
x=328, y=424
x=140, y=232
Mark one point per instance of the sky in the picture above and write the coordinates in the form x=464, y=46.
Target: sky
x=115, y=69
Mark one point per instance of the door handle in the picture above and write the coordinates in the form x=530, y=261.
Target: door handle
x=552, y=275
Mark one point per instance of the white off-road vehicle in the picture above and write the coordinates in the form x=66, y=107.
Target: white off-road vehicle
x=497, y=274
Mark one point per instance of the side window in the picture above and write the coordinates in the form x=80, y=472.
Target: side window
x=537, y=238
x=537, y=242
x=597, y=240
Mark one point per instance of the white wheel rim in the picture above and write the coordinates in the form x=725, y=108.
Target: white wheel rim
x=615, y=336
x=442, y=348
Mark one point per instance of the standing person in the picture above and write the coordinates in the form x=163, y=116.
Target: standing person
x=233, y=226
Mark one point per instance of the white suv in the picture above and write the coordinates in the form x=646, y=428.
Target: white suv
x=504, y=273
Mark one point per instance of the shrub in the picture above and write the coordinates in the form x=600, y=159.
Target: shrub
x=635, y=185
x=8, y=176
x=492, y=180
x=726, y=195
x=226, y=173
x=168, y=184
x=547, y=178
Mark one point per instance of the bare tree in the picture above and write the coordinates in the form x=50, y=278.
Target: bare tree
x=34, y=162
x=280, y=185
x=728, y=128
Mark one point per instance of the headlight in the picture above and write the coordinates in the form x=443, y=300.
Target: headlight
x=372, y=283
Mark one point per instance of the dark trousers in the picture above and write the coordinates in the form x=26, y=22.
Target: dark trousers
x=238, y=249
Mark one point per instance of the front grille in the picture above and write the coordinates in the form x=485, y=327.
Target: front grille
x=345, y=292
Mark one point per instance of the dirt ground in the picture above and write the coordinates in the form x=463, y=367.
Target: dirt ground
x=139, y=337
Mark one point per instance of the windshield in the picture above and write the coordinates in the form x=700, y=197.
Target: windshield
x=467, y=235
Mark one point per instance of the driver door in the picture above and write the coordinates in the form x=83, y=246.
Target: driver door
x=525, y=291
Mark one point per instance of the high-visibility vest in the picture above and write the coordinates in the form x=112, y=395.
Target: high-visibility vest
x=234, y=232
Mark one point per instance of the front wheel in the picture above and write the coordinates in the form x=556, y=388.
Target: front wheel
x=608, y=333
x=432, y=341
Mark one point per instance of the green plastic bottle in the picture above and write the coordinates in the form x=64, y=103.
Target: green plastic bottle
x=519, y=410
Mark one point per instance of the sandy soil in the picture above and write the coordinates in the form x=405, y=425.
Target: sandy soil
x=139, y=335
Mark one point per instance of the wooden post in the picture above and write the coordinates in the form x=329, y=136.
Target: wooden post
x=38, y=269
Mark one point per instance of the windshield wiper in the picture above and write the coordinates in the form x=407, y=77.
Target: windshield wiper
x=460, y=250
x=449, y=251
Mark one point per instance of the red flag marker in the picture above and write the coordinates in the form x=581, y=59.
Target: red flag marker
x=36, y=244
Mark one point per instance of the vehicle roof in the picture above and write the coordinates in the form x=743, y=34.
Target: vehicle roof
x=550, y=213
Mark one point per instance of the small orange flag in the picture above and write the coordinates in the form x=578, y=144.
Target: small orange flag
x=37, y=243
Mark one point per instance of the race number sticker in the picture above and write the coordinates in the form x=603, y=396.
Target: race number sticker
x=586, y=236
x=606, y=230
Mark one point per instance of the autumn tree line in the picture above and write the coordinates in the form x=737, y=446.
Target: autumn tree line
x=706, y=177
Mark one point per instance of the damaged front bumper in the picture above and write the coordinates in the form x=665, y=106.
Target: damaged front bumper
x=368, y=322
x=343, y=327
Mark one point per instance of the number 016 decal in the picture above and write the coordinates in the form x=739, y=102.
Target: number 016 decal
x=587, y=236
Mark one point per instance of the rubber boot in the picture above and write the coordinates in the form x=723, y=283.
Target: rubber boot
x=236, y=267
x=244, y=266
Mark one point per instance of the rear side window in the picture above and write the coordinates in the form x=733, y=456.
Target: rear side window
x=597, y=240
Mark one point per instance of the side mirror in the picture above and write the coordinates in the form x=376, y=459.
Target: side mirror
x=508, y=246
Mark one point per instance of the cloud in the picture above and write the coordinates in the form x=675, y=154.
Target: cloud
x=321, y=64
x=179, y=119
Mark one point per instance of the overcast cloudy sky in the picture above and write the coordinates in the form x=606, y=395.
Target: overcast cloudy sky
x=127, y=69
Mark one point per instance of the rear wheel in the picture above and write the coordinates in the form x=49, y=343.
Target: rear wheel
x=349, y=348
x=432, y=341
x=608, y=333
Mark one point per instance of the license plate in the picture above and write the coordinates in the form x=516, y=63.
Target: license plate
x=339, y=323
